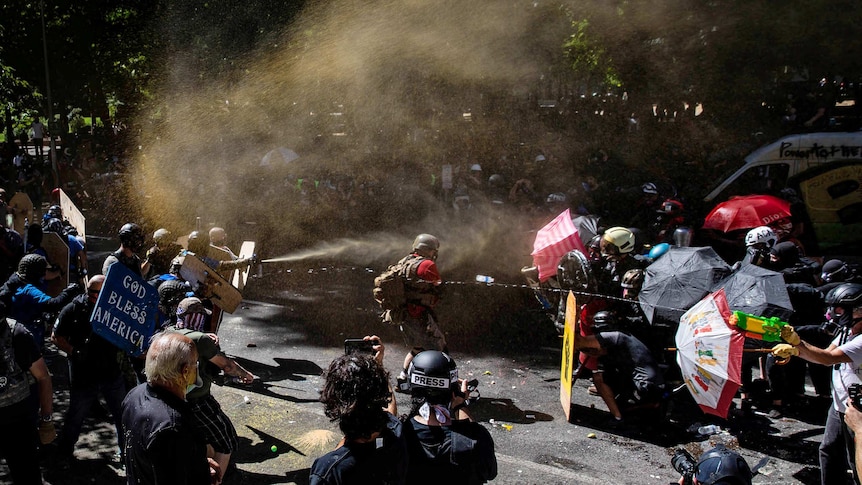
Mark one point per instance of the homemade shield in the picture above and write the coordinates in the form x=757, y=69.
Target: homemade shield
x=746, y=212
x=757, y=291
x=678, y=280
x=557, y=238
x=709, y=354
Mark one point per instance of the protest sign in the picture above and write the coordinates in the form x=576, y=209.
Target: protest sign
x=126, y=312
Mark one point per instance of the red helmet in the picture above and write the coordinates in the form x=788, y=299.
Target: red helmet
x=671, y=207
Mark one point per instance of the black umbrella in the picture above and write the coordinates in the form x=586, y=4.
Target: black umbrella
x=757, y=291
x=678, y=280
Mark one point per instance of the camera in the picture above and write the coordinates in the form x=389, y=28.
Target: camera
x=472, y=391
x=359, y=346
x=855, y=393
x=684, y=464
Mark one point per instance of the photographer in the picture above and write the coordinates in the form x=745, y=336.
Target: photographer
x=844, y=311
x=718, y=466
x=356, y=393
x=446, y=446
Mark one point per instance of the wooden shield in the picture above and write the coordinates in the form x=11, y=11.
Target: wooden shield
x=72, y=214
x=240, y=277
x=214, y=285
x=58, y=254
x=22, y=211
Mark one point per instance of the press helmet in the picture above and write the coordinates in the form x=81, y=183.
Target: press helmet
x=761, y=235
x=722, y=466
x=425, y=243
x=847, y=296
x=32, y=267
x=132, y=236
x=432, y=374
x=615, y=242
x=162, y=236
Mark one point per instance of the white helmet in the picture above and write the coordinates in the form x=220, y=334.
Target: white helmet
x=762, y=234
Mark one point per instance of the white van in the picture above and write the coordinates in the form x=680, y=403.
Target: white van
x=826, y=171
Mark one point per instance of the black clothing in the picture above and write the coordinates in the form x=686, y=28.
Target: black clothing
x=629, y=359
x=93, y=358
x=461, y=453
x=133, y=262
x=382, y=461
x=19, y=444
x=161, y=445
x=11, y=251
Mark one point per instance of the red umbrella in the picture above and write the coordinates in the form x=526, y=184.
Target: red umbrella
x=557, y=238
x=746, y=212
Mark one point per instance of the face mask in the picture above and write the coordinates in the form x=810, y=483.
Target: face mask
x=196, y=383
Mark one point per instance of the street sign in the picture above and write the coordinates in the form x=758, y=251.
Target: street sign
x=126, y=312
x=568, y=354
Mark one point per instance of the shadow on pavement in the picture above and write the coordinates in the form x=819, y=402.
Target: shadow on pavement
x=286, y=369
x=505, y=410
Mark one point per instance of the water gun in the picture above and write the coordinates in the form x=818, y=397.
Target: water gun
x=767, y=329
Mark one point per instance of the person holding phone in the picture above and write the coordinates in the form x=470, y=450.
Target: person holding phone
x=356, y=394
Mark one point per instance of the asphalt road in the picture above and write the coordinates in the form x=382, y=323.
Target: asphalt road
x=293, y=323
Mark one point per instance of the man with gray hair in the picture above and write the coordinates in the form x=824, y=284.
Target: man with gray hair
x=161, y=444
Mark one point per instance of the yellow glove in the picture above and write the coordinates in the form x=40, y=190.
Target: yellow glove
x=784, y=351
x=47, y=432
x=790, y=336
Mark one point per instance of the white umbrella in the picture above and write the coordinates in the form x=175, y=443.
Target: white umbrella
x=280, y=154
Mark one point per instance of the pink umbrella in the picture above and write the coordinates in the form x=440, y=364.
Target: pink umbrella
x=557, y=238
x=746, y=212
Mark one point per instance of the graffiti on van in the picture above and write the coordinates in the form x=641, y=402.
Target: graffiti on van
x=818, y=151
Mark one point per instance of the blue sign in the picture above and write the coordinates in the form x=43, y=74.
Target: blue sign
x=126, y=311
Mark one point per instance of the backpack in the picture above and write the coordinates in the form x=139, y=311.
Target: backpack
x=390, y=288
x=14, y=385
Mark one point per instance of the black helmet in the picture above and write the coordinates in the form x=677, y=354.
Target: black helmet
x=594, y=251
x=720, y=465
x=52, y=225
x=32, y=267
x=847, y=296
x=603, y=321
x=432, y=373
x=171, y=293
x=55, y=211
x=835, y=270
x=198, y=242
x=132, y=236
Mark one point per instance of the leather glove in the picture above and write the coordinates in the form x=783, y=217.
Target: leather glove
x=784, y=351
x=790, y=336
x=47, y=432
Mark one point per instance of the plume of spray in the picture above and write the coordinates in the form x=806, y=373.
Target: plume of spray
x=393, y=70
